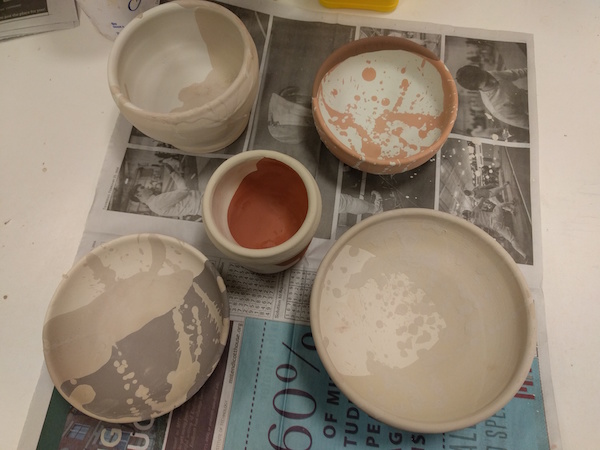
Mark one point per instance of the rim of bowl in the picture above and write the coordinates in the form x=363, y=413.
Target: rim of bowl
x=262, y=255
x=372, y=44
x=513, y=384
x=167, y=8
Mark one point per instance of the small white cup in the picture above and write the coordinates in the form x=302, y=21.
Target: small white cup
x=261, y=209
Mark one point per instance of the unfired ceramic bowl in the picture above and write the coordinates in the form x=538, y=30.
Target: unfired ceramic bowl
x=423, y=320
x=384, y=104
x=261, y=209
x=135, y=328
x=186, y=73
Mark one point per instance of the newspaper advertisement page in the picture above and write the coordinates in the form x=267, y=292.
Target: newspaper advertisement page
x=23, y=17
x=270, y=389
x=301, y=408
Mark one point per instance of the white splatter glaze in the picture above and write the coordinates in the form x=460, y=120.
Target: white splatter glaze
x=423, y=320
x=136, y=328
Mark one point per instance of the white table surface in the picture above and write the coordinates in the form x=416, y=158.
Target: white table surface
x=56, y=119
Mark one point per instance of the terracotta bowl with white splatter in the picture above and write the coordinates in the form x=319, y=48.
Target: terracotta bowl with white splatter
x=384, y=104
x=136, y=328
x=185, y=73
x=423, y=320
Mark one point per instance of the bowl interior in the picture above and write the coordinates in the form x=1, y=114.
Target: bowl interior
x=259, y=203
x=385, y=101
x=180, y=58
x=136, y=328
x=423, y=321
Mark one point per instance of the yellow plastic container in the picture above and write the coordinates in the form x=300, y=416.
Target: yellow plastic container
x=375, y=5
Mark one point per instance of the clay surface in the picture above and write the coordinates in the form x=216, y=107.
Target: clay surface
x=220, y=68
x=423, y=320
x=268, y=207
x=186, y=73
x=384, y=104
x=136, y=328
x=261, y=209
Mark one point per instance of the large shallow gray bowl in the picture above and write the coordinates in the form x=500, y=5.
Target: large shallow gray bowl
x=135, y=328
x=423, y=320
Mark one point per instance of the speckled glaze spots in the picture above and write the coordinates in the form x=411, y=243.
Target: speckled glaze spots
x=423, y=320
x=268, y=207
x=397, y=315
x=136, y=328
x=385, y=104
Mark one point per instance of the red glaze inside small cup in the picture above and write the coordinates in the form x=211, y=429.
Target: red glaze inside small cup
x=268, y=207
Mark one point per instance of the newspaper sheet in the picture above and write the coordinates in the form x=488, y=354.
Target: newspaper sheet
x=23, y=17
x=270, y=389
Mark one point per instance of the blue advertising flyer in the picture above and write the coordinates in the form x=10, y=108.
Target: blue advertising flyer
x=300, y=408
